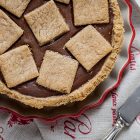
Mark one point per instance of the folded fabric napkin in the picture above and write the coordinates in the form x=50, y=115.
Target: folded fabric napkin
x=93, y=124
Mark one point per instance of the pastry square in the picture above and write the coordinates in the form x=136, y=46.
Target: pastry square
x=10, y=32
x=90, y=11
x=57, y=72
x=16, y=7
x=46, y=23
x=88, y=47
x=64, y=1
x=18, y=66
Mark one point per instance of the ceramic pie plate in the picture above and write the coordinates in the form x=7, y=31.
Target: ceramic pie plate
x=93, y=100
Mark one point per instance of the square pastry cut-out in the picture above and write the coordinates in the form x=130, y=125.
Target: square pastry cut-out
x=57, y=72
x=64, y=1
x=16, y=7
x=88, y=47
x=46, y=22
x=90, y=11
x=18, y=66
x=9, y=32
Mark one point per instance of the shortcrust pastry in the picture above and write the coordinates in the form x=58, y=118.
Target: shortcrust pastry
x=90, y=12
x=46, y=22
x=10, y=32
x=57, y=72
x=18, y=66
x=16, y=7
x=88, y=47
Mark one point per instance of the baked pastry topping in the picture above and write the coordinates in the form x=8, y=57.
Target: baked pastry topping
x=9, y=32
x=57, y=72
x=90, y=12
x=88, y=47
x=18, y=66
x=64, y=61
x=16, y=7
x=46, y=23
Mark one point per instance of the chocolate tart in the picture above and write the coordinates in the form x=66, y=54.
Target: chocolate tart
x=34, y=95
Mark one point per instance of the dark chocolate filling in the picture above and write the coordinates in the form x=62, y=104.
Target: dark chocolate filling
x=30, y=87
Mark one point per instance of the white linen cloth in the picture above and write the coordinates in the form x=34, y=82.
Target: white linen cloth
x=138, y=2
x=93, y=124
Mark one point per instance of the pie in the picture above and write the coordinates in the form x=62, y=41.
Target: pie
x=54, y=53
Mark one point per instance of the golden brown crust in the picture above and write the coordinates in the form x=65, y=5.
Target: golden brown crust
x=60, y=71
x=46, y=28
x=82, y=92
x=84, y=48
x=15, y=7
x=90, y=12
x=10, y=32
x=12, y=72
